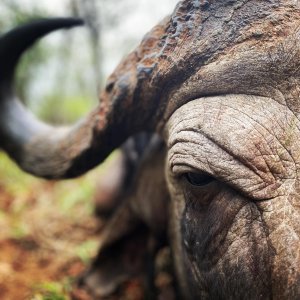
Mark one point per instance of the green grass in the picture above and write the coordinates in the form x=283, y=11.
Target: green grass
x=52, y=290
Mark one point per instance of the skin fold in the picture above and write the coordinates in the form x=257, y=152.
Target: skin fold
x=242, y=228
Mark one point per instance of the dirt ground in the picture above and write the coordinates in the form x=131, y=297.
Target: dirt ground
x=28, y=272
x=43, y=247
x=49, y=234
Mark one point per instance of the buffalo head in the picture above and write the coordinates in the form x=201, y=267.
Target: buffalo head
x=219, y=81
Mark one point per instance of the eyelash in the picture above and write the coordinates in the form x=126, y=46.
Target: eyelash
x=198, y=179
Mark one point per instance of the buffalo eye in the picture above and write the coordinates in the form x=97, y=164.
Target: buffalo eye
x=198, y=179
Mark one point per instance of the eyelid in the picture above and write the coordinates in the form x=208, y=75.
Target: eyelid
x=199, y=179
x=178, y=170
x=181, y=169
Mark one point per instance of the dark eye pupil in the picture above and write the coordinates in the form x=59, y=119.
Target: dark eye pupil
x=198, y=179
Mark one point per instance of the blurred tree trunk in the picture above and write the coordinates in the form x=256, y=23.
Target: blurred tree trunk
x=91, y=12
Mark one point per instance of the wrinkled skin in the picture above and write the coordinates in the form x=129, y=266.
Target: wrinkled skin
x=239, y=229
x=219, y=82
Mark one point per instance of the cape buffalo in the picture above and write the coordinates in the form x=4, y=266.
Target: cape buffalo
x=216, y=85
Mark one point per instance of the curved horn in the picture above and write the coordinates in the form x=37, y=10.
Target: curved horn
x=54, y=152
x=187, y=56
x=15, y=42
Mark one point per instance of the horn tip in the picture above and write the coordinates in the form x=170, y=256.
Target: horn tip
x=19, y=39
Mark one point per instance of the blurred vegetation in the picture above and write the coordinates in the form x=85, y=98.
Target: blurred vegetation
x=61, y=103
x=55, y=218
x=22, y=193
x=52, y=291
x=62, y=111
x=45, y=221
x=10, y=16
x=75, y=76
